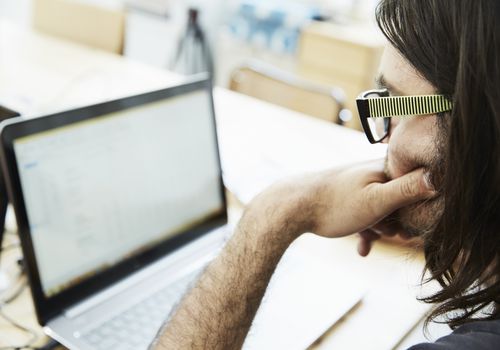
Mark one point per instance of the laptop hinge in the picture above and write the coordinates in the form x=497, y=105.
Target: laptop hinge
x=206, y=247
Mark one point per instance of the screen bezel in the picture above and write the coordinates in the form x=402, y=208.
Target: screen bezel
x=49, y=307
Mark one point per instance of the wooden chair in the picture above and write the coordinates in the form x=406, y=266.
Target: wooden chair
x=285, y=89
x=87, y=24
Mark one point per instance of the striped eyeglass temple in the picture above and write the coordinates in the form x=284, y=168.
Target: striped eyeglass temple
x=399, y=106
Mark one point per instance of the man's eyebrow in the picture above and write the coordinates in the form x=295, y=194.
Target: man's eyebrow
x=383, y=84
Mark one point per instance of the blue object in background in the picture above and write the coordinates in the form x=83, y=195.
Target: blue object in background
x=278, y=23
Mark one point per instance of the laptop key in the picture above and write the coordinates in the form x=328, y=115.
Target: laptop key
x=94, y=338
x=107, y=343
x=137, y=326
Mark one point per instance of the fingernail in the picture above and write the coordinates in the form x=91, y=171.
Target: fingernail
x=428, y=182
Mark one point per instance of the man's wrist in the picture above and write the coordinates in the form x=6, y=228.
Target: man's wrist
x=281, y=214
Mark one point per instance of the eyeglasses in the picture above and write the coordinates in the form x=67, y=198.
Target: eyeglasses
x=376, y=107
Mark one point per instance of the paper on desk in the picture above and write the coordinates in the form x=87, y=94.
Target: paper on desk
x=261, y=143
x=305, y=298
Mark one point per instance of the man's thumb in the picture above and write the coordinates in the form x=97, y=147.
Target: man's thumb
x=405, y=190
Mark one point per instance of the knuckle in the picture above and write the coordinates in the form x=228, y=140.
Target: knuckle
x=408, y=189
x=371, y=195
x=374, y=201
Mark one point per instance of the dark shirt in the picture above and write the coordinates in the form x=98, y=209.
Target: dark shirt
x=480, y=335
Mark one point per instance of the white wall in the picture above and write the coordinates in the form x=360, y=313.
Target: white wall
x=16, y=10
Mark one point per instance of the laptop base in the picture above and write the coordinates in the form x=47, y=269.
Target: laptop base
x=75, y=328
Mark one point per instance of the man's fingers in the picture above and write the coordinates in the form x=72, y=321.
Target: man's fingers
x=369, y=235
x=364, y=247
x=366, y=241
x=405, y=190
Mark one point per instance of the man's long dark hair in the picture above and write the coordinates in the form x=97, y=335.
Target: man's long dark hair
x=455, y=45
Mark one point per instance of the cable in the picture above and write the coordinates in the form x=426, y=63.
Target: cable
x=10, y=246
x=13, y=233
x=15, y=294
x=26, y=348
x=22, y=284
x=51, y=345
x=9, y=231
x=34, y=335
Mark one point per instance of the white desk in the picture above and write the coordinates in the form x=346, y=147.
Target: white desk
x=41, y=75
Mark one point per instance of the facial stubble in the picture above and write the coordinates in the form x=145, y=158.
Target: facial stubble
x=421, y=218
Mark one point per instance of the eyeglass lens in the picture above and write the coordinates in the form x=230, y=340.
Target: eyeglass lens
x=379, y=127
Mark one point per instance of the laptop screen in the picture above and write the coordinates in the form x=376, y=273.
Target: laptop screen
x=105, y=189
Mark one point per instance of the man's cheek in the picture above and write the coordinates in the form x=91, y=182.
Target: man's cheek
x=421, y=218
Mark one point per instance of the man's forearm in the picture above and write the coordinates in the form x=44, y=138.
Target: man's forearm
x=218, y=311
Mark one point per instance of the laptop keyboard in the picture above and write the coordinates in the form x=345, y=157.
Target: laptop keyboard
x=136, y=327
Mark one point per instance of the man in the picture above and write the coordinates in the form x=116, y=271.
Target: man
x=440, y=180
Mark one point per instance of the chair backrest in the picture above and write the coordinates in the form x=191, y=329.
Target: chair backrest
x=285, y=89
x=87, y=24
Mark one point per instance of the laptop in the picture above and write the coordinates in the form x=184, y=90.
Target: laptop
x=119, y=207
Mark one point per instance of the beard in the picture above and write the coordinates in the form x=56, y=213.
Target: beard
x=421, y=218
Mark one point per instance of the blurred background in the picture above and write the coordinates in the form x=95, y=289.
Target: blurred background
x=313, y=56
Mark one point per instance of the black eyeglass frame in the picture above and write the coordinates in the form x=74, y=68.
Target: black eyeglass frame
x=364, y=113
x=385, y=106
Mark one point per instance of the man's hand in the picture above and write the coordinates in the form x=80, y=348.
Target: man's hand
x=344, y=201
x=385, y=228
